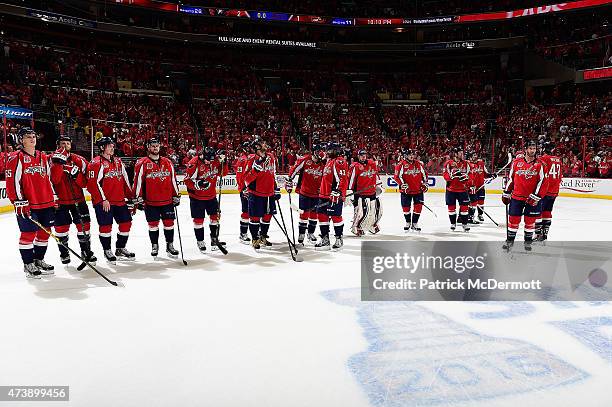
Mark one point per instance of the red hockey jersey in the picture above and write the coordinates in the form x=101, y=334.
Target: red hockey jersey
x=363, y=177
x=453, y=184
x=478, y=173
x=526, y=178
x=69, y=190
x=28, y=177
x=155, y=181
x=411, y=173
x=206, y=171
x=261, y=183
x=554, y=176
x=309, y=173
x=335, y=177
x=107, y=180
x=240, y=168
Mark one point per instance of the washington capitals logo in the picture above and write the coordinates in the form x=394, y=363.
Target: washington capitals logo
x=113, y=174
x=412, y=171
x=527, y=173
x=38, y=169
x=314, y=172
x=162, y=174
x=368, y=173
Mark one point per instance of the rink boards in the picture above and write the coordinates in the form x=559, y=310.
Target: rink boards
x=593, y=188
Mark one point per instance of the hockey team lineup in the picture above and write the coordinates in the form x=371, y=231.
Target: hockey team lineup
x=47, y=194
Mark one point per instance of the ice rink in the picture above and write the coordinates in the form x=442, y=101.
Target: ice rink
x=257, y=329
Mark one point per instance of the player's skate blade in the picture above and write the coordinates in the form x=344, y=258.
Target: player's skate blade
x=171, y=251
x=244, y=238
x=31, y=271
x=110, y=257
x=124, y=255
x=44, y=268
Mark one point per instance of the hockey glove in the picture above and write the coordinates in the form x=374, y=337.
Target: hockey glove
x=176, y=200
x=202, y=184
x=533, y=200
x=472, y=190
x=379, y=190
x=404, y=188
x=334, y=197
x=22, y=208
x=277, y=194
x=506, y=197
x=72, y=170
x=60, y=156
x=424, y=187
x=288, y=185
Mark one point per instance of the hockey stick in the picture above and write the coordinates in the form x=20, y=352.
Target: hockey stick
x=178, y=228
x=291, y=214
x=294, y=256
x=221, y=248
x=57, y=239
x=497, y=173
x=489, y=216
x=429, y=209
x=286, y=231
x=81, y=266
x=300, y=211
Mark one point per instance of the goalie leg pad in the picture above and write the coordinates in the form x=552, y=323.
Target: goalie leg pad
x=375, y=214
x=360, y=213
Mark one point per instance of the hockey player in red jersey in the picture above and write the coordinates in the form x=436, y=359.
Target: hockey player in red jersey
x=457, y=176
x=331, y=197
x=411, y=178
x=69, y=177
x=240, y=169
x=156, y=190
x=263, y=192
x=308, y=169
x=523, y=194
x=201, y=177
x=554, y=176
x=28, y=186
x=478, y=173
x=112, y=198
x=361, y=192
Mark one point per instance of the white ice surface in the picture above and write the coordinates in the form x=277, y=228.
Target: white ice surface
x=256, y=329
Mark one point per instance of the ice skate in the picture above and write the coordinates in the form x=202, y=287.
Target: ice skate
x=124, y=254
x=244, y=238
x=155, y=250
x=45, y=269
x=338, y=243
x=323, y=244
x=31, y=271
x=110, y=257
x=202, y=246
x=171, y=251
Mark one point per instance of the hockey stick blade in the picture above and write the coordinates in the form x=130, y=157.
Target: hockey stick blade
x=221, y=248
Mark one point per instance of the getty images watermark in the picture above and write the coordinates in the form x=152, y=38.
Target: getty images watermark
x=480, y=271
